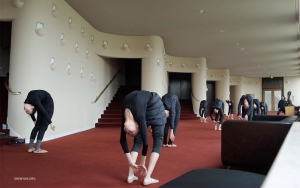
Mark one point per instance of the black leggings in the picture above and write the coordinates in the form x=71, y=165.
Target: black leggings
x=168, y=125
x=230, y=110
x=157, y=134
x=280, y=110
x=203, y=113
x=41, y=124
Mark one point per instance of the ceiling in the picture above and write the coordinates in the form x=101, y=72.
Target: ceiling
x=252, y=38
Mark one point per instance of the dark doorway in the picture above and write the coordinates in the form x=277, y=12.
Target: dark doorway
x=180, y=85
x=133, y=74
x=210, y=93
x=5, y=41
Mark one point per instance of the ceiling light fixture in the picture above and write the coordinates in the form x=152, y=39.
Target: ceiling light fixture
x=222, y=30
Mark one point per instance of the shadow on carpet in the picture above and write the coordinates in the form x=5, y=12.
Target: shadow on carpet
x=216, y=178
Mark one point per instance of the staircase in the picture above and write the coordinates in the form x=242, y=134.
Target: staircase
x=187, y=112
x=112, y=116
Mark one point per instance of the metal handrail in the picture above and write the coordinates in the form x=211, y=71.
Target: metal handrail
x=8, y=89
x=106, y=86
x=194, y=96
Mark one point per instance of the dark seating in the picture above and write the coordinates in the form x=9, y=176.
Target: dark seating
x=254, y=144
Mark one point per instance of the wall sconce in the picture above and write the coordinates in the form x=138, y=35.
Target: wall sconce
x=70, y=23
x=212, y=74
x=287, y=81
x=171, y=63
x=92, y=39
x=164, y=67
x=69, y=70
x=224, y=75
x=87, y=53
x=158, y=61
x=18, y=3
x=39, y=29
x=105, y=44
x=183, y=65
x=76, y=47
x=230, y=80
x=239, y=80
x=198, y=66
x=52, y=63
x=54, y=11
x=125, y=47
x=62, y=39
x=148, y=47
x=82, y=32
x=81, y=73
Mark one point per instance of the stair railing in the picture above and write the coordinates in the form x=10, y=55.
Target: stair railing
x=106, y=86
x=194, y=96
x=8, y=89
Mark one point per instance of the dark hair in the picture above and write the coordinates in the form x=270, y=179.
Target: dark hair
x=283, y=96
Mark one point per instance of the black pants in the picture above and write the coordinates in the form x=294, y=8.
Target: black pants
x=41, y=124
x=157, y=134
x=280, y=110
x=168, y=124
x=230, y=110
x=244, y=112
x=203, y=113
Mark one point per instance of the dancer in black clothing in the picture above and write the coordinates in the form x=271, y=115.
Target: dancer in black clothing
x=172, y=105
x=140, y=109
x=281, y=105
x=256, y=107
x=230, y=108
x=246, y=103
x=41, y=102
x=203, y=108
x=217, y=111
x=263, y=108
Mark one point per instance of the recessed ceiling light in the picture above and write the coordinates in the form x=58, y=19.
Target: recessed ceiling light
x=258, y=65
x=222, y=31
x=237, y=44
x=254, y=60
x=242, y=49
x=246, y=52
x=200, y=11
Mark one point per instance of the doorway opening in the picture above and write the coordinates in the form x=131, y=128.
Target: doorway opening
x=5, y=43
x=133, y=75
x=180, y=85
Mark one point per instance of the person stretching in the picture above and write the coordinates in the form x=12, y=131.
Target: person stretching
x=39, y=101
x=140, y=109
x=203, y=108
x=217, y=111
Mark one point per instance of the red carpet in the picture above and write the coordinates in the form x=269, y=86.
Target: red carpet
x=94, y=158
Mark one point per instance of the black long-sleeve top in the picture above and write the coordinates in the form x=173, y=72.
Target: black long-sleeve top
x=282, y=104
x=147, y=109
x=241, y=103
x=170, y=100
x=42, y=101
x=230, y=104
x=265, y=111
x=219, y=105
x=257, y=103
x=204, y=105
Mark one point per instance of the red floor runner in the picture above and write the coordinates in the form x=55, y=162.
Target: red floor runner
x=94, y=158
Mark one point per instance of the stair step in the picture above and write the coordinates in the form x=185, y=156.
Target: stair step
x=104, y=120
